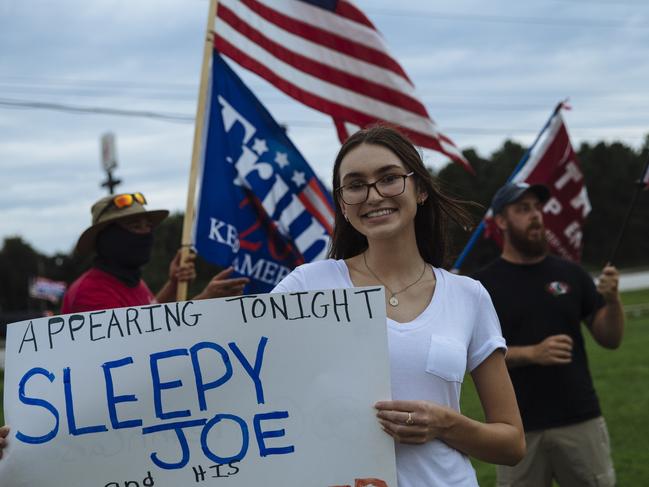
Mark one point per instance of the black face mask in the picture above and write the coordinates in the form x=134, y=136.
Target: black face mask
x=122, y=253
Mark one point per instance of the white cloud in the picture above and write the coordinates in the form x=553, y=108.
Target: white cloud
x=483, y=80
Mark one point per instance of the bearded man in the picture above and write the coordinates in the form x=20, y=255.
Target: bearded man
x=541, y=301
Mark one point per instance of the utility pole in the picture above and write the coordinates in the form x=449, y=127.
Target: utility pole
x=109, y=161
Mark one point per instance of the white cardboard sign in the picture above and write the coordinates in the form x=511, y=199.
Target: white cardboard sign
x=273, y=390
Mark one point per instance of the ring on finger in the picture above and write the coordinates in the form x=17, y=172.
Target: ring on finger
x=409, y=421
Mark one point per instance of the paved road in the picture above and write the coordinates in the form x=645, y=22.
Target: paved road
x=631, y=281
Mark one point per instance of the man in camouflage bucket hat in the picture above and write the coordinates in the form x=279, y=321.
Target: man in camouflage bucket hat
x=121, y=236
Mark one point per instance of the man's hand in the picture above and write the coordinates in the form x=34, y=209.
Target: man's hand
x=220, y=286
x=554, y=350
x=177, y=273
x=607, y=325
x=4, y=432
x=607, y=284
x=185, y=272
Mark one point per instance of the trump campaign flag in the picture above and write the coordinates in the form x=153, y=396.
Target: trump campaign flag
x=550, y=161
x=261, y=208
x=44, y=288
x=553, y=163
x=329, y=56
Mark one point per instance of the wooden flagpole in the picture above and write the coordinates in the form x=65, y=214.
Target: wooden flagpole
x=208, y=49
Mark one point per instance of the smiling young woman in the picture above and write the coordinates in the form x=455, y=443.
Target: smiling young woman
x=390, y=229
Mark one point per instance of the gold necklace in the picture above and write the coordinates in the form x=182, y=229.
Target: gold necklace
x=393, y=296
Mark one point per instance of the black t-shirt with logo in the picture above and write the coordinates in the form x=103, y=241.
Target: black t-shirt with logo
x=534, y=301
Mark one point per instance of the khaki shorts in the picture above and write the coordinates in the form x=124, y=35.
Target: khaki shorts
x=573, y=456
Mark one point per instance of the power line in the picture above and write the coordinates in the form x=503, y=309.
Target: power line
x=81, y=87
x=146, y=85
x=546, y=21
x=448, y=99
x=615, y=3
x=181, y=118
x=169, y=117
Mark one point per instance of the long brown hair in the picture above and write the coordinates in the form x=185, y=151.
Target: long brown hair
x=432, y=218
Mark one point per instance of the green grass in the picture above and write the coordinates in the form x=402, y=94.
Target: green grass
x=636, y=297
x=622, y=382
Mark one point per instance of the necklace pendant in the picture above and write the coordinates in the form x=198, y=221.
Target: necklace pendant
x=393, y=301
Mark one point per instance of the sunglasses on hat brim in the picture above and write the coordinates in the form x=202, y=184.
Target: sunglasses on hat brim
x=124, y=200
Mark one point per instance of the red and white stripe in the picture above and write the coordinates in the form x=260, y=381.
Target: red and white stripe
x=316, y=202
x=335, y=62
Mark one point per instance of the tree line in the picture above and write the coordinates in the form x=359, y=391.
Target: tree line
x=611, y=171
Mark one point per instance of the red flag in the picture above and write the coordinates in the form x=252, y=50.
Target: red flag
x=553, y=162
x=329, y=56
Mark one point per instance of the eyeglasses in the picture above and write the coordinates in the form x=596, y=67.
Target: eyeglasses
x=124, y=200
x=388, y=186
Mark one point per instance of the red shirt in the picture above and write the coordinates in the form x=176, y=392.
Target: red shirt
x=96, y=290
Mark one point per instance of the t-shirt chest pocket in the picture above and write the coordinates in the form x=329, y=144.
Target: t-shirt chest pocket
x=446, y=358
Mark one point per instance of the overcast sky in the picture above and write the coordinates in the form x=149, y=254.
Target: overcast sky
x=487, y=71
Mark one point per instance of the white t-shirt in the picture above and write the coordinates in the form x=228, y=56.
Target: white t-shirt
x=428, y=359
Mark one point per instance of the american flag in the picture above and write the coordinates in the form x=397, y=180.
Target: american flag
x=329, y=56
